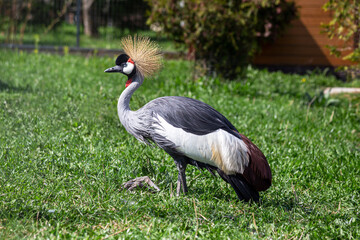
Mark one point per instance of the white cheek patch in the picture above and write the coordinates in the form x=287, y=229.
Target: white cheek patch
x=128, y=68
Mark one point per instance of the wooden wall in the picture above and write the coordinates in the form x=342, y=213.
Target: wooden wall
x=302, y=43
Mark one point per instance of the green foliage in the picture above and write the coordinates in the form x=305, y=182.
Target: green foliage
x=222, y=35
x=64, y=156
x=345, y=26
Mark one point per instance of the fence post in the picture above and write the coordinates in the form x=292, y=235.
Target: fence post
x=78, y=7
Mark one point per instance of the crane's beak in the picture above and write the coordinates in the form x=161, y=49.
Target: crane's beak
x=114, y=69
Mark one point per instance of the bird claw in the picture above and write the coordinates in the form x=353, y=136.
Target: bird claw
x=139, y=182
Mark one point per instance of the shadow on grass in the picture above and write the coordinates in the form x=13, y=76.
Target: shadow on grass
x=287, y=204
x=5, y=87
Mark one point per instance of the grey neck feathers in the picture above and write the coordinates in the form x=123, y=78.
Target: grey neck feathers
x=124, y=99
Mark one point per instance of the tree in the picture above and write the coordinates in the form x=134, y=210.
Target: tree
x=222, y=35
x=345, y=26
x=90, y=26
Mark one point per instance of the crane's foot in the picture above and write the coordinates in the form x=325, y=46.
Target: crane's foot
x=181, y=187
x=140, y=182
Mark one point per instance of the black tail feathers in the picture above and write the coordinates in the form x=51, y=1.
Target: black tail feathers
x=243, y=190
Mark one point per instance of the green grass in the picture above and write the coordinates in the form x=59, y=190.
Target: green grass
x=64, y=156
x=65, y=35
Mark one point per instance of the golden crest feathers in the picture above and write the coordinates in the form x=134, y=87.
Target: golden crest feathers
x=144, y=52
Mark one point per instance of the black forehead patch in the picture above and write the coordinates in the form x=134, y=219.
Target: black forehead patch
x=121, y=59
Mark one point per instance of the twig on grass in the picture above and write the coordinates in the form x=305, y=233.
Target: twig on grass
x=203, y=217
x=171, y=191
x=196, y=217
x=256, y=228
x=338, y=210
x=149, y=228
x=302, y=233
x=331, y=117
x=111, y=235
x=296, y=197
x=309, y=105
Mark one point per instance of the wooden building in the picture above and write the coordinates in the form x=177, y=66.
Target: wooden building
x=303, y=44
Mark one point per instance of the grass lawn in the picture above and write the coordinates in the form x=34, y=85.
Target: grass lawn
x=65, y=35
x=64, y=156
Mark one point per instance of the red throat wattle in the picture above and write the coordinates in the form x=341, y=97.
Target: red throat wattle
x=128, y=82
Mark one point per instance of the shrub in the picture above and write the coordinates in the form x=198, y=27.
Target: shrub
x=345, y=26
x=221, y=35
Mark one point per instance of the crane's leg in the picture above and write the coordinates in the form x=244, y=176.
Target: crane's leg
x=181, y=182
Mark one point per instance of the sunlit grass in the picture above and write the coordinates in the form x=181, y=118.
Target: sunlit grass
x=64, y=155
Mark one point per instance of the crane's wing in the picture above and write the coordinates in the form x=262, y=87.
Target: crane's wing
x=191, y=115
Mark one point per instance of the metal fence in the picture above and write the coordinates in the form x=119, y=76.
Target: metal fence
x=54, y=22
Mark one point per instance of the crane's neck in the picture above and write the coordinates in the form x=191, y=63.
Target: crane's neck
x=124, y=99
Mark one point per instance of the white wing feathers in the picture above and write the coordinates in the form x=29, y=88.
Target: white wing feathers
x=219, y=148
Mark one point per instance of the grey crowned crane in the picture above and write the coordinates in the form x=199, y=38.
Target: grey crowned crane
x=190, y=131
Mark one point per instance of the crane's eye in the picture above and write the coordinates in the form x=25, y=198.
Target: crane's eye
x=127, y=67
